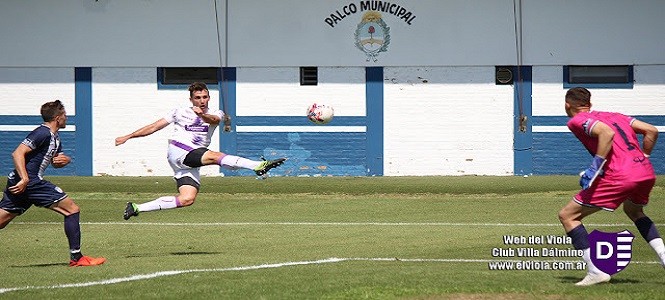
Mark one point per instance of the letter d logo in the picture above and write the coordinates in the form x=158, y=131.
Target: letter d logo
x=604, y=250
x=611, y=251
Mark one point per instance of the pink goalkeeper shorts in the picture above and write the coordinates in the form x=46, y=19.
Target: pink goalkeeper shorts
x=609, y=195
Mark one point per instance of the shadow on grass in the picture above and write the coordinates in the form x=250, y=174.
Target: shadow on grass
x=194, y=253
x=571, y=279
x=41, y=265
x=181, y=253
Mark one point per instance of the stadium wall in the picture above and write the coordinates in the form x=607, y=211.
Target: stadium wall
x=425, y=105
x=23, y=91
x=428, y=123
x=553, y=144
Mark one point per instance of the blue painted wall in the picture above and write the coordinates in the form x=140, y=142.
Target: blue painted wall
x=562, y=153
x=11, y=139
x=325, y=153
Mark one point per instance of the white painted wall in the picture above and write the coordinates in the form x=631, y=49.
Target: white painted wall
x=124, y=100
x=24, y=90
x=645, y=98
x=458, y=122
x=277, y=91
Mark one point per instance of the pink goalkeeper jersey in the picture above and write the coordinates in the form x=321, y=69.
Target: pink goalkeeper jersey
x=626, y=160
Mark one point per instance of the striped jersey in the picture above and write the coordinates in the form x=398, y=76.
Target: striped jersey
x=45, y=145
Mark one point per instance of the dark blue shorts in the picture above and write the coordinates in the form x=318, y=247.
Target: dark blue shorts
x=39, y=193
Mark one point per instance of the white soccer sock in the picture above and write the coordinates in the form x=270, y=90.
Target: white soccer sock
x=235, y=162
x=166, y=202
x=659, y=247
x=591, y=268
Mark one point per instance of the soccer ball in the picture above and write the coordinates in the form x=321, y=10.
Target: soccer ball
x=320, y=114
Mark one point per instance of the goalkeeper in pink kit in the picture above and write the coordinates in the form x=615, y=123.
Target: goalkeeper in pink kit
x=620, y=173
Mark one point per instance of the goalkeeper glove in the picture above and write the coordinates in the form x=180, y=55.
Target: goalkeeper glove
x=588, y=176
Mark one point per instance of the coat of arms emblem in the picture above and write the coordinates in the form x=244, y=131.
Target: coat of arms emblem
x=372, y=35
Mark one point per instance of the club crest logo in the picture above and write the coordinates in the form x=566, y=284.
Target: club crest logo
x=611, y=251
x=585, y=126
x=372, y=35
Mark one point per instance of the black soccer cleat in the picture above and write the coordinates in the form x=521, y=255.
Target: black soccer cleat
x=266, y=165
x=130, y=211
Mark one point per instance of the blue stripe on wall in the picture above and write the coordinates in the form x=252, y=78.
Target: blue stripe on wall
x=374, y=104
x=83, y=91
x=562, y=153
x=11, y=139
x=297, y=121
x=30, y=120
x=523, y=140
x=558, y=153
x=563, y=120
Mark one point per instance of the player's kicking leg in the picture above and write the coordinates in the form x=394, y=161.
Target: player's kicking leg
x=235, y=162
x=131, y=210
x=266, y=165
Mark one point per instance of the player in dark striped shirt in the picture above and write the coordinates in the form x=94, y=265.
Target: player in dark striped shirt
x=26, y=185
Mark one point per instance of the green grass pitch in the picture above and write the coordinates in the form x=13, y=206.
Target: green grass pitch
x=316, y=238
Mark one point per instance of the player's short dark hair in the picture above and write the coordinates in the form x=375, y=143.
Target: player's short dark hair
x=52, y=109
x=578, y=96
x=197, y=87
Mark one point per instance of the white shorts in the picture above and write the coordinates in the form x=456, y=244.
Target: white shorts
x=176, y=156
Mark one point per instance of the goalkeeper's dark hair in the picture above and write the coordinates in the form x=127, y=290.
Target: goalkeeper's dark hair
x=50, y=110
x=197, y=87
x=578, y=96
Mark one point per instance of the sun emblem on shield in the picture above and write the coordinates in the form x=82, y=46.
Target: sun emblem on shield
x=372, y=35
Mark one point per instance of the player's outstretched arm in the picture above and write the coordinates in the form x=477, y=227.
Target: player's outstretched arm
x=143, y=131
x=650, y=133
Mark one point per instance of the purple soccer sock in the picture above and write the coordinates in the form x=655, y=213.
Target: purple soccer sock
x=73, y=232
x=579, y=237
x=647, y=228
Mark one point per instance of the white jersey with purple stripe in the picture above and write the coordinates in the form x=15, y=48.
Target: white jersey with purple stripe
x=189, y=129
x=44, y=144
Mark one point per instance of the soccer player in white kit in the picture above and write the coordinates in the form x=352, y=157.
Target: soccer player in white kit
x=187, y=150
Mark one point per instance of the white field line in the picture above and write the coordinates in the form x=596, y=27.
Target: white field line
x=255, y=267
x=326, y=224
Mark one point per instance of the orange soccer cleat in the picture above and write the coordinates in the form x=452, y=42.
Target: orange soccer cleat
x=87, y=261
